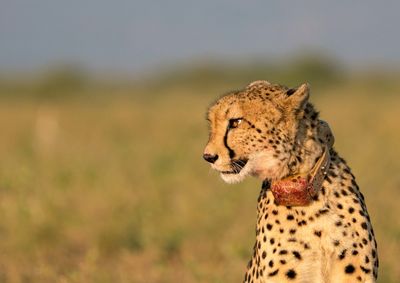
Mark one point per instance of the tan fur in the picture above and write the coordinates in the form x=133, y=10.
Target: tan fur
x=271, y=132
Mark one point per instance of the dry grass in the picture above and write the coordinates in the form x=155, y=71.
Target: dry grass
x=115, y=190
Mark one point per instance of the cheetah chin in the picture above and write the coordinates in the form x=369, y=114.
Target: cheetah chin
x=236, y=177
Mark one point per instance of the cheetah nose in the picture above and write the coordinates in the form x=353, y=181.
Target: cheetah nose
x=210, y=158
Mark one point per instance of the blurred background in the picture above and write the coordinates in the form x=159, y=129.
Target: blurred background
x=102, y=108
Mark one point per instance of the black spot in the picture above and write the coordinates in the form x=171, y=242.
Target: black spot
x=275, y=212
x=291, y=274
x=269, y=226
x=314, y=115
x=271, y=263
x=323, y=211
x=342, y=254
x=328, y=180
x=273, y=273
x=366, y=270
x=296, y=254
x=292, y=231
x=364, y=225
x=318, y=233
x=349, y=269
x=272, y=241
x=283, y=252
x=302, y=222
x=282, y=261
x=264, y=254
x=354, y=252
x=351, y=210
x=333, y=174
x=340, y=206
x=266, y=184
x=366, y=259
x=290, y=217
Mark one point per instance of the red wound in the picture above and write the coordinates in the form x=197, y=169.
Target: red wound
x=293, y=191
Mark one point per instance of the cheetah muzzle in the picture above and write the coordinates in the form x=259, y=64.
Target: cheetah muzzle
x=312, y=220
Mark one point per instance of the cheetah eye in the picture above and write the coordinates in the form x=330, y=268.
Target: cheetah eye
x=234, y=123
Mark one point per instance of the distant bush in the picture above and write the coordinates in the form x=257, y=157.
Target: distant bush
x=315, y=69
x=57, y=82
x=61, y=81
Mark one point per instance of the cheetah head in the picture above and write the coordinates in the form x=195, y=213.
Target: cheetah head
x=252, y=131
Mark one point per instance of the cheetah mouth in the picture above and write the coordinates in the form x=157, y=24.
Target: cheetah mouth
x=237, y=166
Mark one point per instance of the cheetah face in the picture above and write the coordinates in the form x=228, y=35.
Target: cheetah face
x=252, y=131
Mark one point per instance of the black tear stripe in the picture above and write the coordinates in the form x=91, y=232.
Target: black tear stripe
x=231, y=152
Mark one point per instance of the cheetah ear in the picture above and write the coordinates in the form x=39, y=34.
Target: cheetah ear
x=298, y=97
x=258, y=83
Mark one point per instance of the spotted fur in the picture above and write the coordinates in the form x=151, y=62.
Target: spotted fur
x=271, y=132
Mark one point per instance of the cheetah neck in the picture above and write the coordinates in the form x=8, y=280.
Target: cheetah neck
x=310, y=158
x=312, y=137
x=300, y=190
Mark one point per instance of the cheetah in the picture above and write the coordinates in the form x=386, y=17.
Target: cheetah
x=312, y=221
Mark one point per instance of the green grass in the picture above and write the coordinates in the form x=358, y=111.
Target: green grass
x=115, y=189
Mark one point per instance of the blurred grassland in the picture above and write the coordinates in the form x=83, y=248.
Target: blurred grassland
x=104, y=182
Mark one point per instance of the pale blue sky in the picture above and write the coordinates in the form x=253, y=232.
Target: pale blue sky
x=139, y=35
